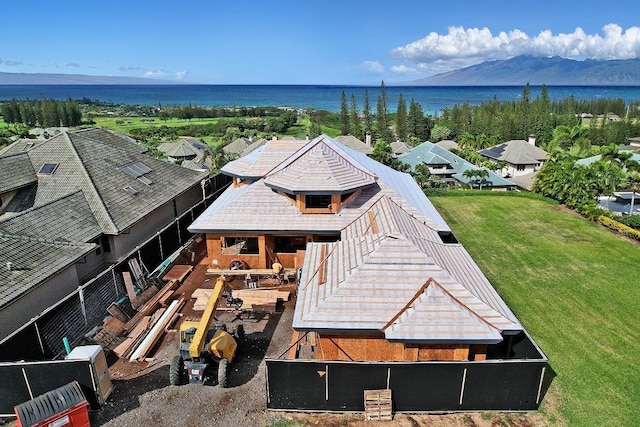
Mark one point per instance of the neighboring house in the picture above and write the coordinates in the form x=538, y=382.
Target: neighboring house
x=73, y=204
x=448, y=144
x=634, y=142
x=522, y=157
x=238, y=146
x=399, y=147
x=354, y=143
x=620, y=202
x=180, y=151
x=381, y=276
x=449, y=167
x=253, y=146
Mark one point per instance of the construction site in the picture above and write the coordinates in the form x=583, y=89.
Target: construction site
x=313, y=279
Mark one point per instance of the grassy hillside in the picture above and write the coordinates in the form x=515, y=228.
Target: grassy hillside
x=576, y=289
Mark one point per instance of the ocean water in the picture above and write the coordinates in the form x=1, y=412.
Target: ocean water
x=319, y=97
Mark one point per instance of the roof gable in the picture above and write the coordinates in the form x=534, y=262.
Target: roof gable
x=373, y=282
x=320, y=167
x=435, y=313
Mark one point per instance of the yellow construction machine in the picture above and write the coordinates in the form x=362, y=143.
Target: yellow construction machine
x=201, y=346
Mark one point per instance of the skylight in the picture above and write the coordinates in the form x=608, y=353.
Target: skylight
x=145, y=180
x=48, y=169
x=136, y=169
x=130, y=190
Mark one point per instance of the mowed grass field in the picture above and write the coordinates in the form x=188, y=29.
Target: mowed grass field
x=575, y=286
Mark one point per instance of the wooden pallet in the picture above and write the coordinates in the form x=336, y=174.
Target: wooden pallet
x=377, y=405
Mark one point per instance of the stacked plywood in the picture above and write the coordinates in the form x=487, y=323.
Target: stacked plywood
x=260, y=299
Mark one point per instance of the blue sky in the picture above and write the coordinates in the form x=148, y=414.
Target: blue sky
x=304, y=42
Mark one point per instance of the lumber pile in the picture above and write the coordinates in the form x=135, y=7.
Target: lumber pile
x=260, y=299
x=139, y=342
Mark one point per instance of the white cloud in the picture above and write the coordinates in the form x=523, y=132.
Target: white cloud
x=154, y=74
x=462, y=47
x=180, y=75
x=372, y=66
x=403, y=69
x=129, y=68
x=73, y=64
x=11, y=63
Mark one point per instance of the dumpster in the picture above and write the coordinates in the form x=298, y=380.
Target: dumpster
x=63, y=407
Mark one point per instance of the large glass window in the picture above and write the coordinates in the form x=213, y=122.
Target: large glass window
x=290, y=244
x=240, y=245
x=318, y=201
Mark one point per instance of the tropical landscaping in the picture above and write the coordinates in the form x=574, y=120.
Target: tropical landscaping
x=573, y=285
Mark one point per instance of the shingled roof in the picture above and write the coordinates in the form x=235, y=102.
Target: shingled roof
x=256, y=207
x=96, y=161
x=431, y=154
x=319, y=167
x=420, y=288
x=33, y=260
x=16, y=172
x=516, y=152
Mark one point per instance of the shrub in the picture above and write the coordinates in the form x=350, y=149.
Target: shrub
x=619, y=227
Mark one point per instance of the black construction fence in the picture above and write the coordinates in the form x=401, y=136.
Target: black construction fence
x=73, y=317
x=22, y=381
x=514, y=384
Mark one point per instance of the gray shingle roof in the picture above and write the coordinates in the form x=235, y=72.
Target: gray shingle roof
x=92, y=161
x=237, y=146
x=34, y=260
x=516, y=152
x=16, y=172
x=66, y=219
x=354, y=143
x=180, y=149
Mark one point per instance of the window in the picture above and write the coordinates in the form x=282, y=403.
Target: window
x=136, y=169
x=447, y=237
x=240, y=245
x=289, y=244
x=48, y=169
x=320, y=201
x=520, y=167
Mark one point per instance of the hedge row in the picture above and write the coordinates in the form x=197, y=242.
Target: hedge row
x=619, y=228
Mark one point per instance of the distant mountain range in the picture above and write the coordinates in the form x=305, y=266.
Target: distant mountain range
x=552, y=71
x=75, y=79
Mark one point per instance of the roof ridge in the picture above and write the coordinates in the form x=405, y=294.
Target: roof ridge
x=461, y=304
x=92, y=184
x=46, y=241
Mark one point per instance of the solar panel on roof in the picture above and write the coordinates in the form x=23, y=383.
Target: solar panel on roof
x=136, y=169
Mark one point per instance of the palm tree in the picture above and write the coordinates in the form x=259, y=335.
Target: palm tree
x=633, y=178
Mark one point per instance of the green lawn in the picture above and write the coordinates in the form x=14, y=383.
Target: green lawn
x=125, y=124
x=575, y=287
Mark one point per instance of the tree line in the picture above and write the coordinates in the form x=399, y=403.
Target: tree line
x=43, y=113
x=492, y=122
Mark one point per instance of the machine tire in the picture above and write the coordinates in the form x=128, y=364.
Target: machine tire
x=176, y=371
x=222, y=372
